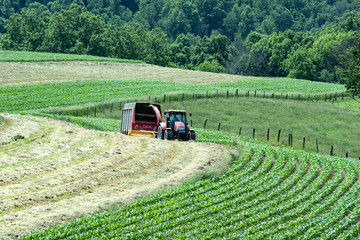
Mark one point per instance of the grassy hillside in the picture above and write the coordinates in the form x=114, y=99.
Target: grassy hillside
x=268, y=193
x=331, y=125
x=23, y=56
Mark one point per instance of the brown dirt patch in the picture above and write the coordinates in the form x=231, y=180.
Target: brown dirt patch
x=43, y=72
x=61, y=171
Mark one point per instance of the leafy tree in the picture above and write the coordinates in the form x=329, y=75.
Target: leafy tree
x=157, y=48
x=6, y=8
x=352, y=69
x=213, y=66
x=71, y=31
x=130, y=41
x=209, y=49
x=25, y=31
x=149, y=12
x=2, y=25
x=176, y=22
x=300, y=65
x=212, y=13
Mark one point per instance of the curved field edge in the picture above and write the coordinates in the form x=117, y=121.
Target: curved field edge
x=24, y=56
x=63, y=94
x=267, y=193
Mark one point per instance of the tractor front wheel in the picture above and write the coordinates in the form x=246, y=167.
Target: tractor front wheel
x=192, y=135
x=169, y=135
x=160, y=134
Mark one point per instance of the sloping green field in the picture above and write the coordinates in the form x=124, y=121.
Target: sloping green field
x=30, y=97
x=268, y=192
x=23, y=56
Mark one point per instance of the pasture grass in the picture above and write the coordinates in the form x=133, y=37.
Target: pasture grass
x=330, y=124
x=349, y=103
x=24, y=56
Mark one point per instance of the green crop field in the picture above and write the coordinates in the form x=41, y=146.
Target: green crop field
x=30, y=97
x=22, y=56
x=268, y=193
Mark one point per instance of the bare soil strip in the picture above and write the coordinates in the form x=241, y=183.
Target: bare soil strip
x=59, y=171
x=44, y=72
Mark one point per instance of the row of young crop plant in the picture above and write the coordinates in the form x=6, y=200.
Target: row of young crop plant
x=39, y=96
x=268, y=193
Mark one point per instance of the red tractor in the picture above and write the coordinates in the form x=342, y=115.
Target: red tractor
x=175, y=126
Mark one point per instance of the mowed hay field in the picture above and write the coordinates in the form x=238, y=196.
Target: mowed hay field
x=52, y=171
x=43, y=72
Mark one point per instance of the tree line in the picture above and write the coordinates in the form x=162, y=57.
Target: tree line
x=294, y=38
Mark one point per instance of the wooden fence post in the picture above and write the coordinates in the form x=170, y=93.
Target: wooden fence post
x=279, y=133
x=227, y=94
x=95, y=111
x=205, y=123
x=254, y=132
x=289, y=141
x=77, y=112
x=304, y=143
x=347, y=155
x=332, y=150
x=104, y=109
x=219, y=126
x=237, y=92
x=268, y=134
x=273, y=95
x=87, y=112
x=317, y=146
x=264, y=95
x=255, y=93
x=164, y=98
x=342, y=95
x=111, y=108
x=240, y=130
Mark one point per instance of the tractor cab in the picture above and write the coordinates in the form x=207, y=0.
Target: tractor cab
x=175, y=126
x=178, y=117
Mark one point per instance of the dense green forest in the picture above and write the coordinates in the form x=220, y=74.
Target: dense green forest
x=295, y=38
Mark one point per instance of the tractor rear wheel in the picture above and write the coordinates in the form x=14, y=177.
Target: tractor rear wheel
x=169, y=135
